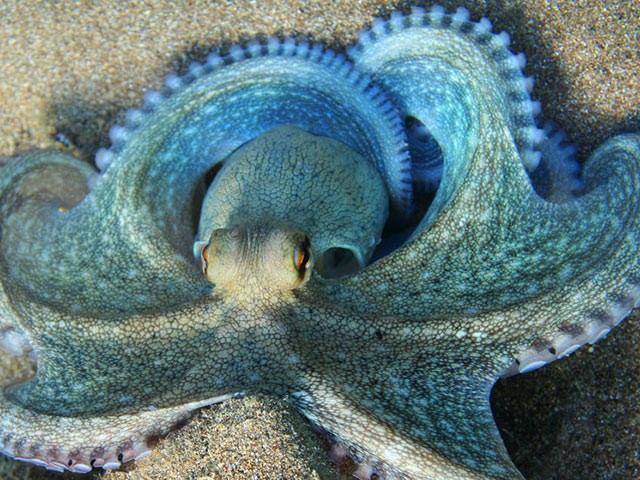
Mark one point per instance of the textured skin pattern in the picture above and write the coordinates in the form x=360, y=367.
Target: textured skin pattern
x=291, y=178
x=396, y=361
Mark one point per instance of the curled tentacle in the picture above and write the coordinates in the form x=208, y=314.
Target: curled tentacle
x=436, y=67
x=574, y=270
x=133, y=233
x=598, y=283
x=488, y=240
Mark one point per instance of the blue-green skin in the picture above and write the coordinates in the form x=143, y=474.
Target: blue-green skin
x=396, y=361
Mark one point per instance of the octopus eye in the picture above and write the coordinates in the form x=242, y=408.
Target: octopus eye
x=302, y=256
x=201, y=255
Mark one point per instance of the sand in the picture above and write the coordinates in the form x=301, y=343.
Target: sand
x=69, y=70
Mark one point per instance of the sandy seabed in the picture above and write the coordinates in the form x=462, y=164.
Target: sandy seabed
x=73, y=69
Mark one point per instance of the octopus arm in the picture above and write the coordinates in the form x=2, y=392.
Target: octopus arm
x=80, y=443
x=66, y=246
x=591, y=279
x=103, y=388
x=419, y=405
x=497, y=246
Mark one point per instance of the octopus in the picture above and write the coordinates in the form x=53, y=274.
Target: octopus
x=378, y=237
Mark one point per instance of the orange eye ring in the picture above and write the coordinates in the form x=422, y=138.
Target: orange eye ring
x=302, y=256
x=201, y=255
x=204, y=258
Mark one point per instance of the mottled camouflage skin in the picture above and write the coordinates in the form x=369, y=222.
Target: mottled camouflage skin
x=396, y=361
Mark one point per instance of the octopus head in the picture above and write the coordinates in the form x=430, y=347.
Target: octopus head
x=267, y=258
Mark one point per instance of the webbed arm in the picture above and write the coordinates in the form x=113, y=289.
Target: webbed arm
x=497, y=243
x=407, y=397
x=128, y=246
x=488, y=241
x=82, y=251
x=426, y=366
x=104, y=386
